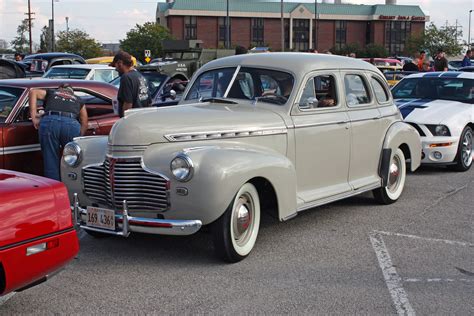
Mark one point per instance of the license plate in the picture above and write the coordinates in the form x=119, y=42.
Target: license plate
x=100, y=218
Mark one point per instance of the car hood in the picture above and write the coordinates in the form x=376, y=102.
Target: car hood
x=428, y=111
x=157, y=125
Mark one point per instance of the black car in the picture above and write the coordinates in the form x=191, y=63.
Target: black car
x=164, y=90
x=38, y=64
x=467, y=69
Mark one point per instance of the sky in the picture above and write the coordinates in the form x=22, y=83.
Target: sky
x=108, y=21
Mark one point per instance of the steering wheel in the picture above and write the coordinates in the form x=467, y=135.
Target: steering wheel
x=273, y=95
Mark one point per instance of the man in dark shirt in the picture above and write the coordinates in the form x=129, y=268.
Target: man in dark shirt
x=440, y=62
x=59, y=123
x=133, y=91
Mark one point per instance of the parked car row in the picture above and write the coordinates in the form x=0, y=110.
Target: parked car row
x=252, y=133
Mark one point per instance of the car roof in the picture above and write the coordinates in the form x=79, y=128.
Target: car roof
x=441, y=74
x=51, y=56
x=85, y=66
x=53, y=83
x=299, y=63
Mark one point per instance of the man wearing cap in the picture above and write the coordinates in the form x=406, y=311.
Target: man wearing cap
x=58, y=125
x=133, y=91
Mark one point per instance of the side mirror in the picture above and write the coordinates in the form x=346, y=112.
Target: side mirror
x=171, y=94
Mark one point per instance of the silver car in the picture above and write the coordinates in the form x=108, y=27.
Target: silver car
x=273, y=132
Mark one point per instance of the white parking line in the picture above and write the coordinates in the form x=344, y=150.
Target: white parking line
x=434, y=280
x=449, y=242
x=392, y=279
x=5, y=298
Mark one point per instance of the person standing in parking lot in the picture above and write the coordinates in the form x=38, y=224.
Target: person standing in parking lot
x=466, y=62
x=133, y=91
x=440, y=62
x=59, y=123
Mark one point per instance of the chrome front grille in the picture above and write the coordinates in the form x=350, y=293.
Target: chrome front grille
x=124, y=179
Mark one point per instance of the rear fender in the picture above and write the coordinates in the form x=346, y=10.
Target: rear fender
x=404, y=136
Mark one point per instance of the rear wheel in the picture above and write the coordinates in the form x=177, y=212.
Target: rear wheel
x=396, y=180
x=235, y=232
x=463, y=158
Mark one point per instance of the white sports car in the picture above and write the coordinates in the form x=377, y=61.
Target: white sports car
x=440, y=105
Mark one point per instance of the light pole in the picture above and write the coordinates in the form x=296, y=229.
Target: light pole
x=227, y=27
x=52, y=24
x=315, y=45
x=67, y=32
x=469, y=31
x=282, y=27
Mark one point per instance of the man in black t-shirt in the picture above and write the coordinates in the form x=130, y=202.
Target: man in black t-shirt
x=440, y=62
x=133, y=91
x=59, y=123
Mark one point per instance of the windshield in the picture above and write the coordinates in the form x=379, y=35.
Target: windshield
x=66, y=73
x=154, y=80
x=264, y=85
x=454, y=89
x=8, y=98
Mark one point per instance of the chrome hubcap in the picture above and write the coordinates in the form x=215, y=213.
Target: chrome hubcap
x=242, y=219
x=394, y=174
x=466, y=150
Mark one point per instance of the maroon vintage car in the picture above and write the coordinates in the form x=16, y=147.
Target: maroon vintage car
x=19, y=143
x=37, y=237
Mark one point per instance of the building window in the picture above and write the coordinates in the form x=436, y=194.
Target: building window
x=257, y=32
x=301, y=35
x=190, y=27
x=287, y=34
x=396, y=35
x=223, y=31
x=341, y=31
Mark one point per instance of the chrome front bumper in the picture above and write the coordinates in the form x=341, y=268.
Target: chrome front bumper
x=128, y=224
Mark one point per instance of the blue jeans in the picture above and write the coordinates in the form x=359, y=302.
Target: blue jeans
x=54, y=132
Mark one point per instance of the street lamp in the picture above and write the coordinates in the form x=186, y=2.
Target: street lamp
x=52, y=24
x=469, y=31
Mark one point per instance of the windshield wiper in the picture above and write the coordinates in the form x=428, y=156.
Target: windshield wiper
x=218, y=100
x=275, y=99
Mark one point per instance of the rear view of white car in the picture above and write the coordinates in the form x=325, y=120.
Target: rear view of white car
x=101, y=73
x=440, y=105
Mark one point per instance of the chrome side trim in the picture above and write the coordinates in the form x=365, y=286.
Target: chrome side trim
x=338, y=197
x=182, y=137
x=128, y=224
x=19, y=149
x=322, y=124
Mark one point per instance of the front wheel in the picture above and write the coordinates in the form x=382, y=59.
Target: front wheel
x=235, y=232
x=463, y=158
x=396, y=180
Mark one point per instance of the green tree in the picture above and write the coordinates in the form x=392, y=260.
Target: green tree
x=78, y=42
x=434, y=38
x=142, y=37
x=21, y=43
x=374, y=51
x=45, y=39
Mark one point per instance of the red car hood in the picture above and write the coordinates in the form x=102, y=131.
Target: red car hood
x=31, y=206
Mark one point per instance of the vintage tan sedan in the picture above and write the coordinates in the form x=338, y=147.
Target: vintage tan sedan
x=276, y=132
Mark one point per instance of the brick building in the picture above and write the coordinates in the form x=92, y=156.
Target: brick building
x=258, y=23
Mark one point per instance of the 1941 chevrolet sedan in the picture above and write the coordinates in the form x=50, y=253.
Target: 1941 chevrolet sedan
x=276, y=132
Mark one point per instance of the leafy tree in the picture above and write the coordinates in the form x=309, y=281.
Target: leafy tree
x=434, y=38
x=21, y=43
x=78, y=42
x=45, y=39
x=374, y=51
x=347, y=49
x=142, y=37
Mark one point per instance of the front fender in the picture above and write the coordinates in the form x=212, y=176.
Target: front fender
x=94, y=150
x=399, y=134
x=219, y=172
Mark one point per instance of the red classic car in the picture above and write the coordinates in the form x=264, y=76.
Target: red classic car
x=19, y=143
x=37, y=237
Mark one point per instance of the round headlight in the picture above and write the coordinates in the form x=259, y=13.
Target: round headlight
x=72, y=154
x=182, y=168
x=441, y=130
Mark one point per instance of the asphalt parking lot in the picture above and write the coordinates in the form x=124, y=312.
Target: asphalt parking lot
x=351, y=257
